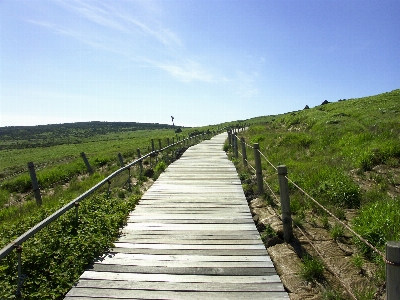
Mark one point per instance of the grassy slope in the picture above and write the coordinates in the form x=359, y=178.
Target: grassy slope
x=333, y=152
x=50, y=258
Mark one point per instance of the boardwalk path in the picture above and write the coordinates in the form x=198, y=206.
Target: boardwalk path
x=190, y=237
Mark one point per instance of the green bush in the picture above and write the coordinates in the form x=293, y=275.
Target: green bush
x=312, y=269
x=378, y=222
x=20, y=184
x=160, y=167
x=337, y=231
x=56, y=256
x=376, y=156
x=332, y=186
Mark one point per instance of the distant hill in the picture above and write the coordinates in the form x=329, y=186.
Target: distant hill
x=19, y=137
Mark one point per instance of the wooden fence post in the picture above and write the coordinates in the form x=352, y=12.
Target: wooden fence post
x=229, y=137
x=244, y=154
x=257, y=160
x=35, y=184
x=87, y=164
x=285, y=204
x=141, y=161
x=235, y=145
x=159, y=144
x=121, y=161
x=392, y=270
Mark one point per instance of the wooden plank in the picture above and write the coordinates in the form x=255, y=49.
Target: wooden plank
x=178, y=286
x=198, y=221
x=194, y=227
x=124, y=259
x=185, y=241
x=179, y=278
x=210, y=217
x=197, y=258
x=92, y=294
x=221, y=252
x=189, y=247
x=190, y=270
x=212, y=234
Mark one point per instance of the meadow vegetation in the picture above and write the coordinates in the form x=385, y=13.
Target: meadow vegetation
x=50, y=261
x=346, y=155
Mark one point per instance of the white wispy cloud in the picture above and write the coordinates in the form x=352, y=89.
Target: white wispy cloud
x=131, y=32
x=187, y=71
x=246, y=87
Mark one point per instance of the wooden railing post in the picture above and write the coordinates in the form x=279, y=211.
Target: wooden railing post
x=121, y=161
x=159, y=144
x=35, y=184
x=235, y=146
x=141, y=162
x=257, y=160
x=285, y=204
x=87, y=164
x=244, y=154
x=392, y=270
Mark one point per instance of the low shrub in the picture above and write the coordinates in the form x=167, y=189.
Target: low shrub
x=378, y=222
x=50, y=259
x=312, y=269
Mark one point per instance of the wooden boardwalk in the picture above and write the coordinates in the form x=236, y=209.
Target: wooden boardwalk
x=190, y=237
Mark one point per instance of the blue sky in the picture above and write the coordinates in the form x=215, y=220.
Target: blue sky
x=204, y=61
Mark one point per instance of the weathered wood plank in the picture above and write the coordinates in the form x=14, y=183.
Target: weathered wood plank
x=232, y=271
x=179, y=278
x=198, y=258
x=211, y=234
x=189, y=247
x=194, y=227
x=178, y=286
x=221, y=252
x=94, y=294
x=185, y=240
x=124, y=259
x=209, y=217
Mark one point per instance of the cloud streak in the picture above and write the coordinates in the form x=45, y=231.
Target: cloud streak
x=139, y=34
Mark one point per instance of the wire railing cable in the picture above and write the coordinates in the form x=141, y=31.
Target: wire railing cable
x=322, y=207
x=338, y=220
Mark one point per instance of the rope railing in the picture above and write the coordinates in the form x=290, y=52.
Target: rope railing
x=336, y=219
x=317, y=203
x=17, y=242
x=322, y=257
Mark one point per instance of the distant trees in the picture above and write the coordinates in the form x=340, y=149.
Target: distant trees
x=20, y=137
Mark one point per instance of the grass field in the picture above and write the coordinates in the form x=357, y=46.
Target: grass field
x=49, y=258
x=346, y=155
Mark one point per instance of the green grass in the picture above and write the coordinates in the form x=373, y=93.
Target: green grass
x=58, y=164
x=332, y=152
x=50, y=258
x=311, y=269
